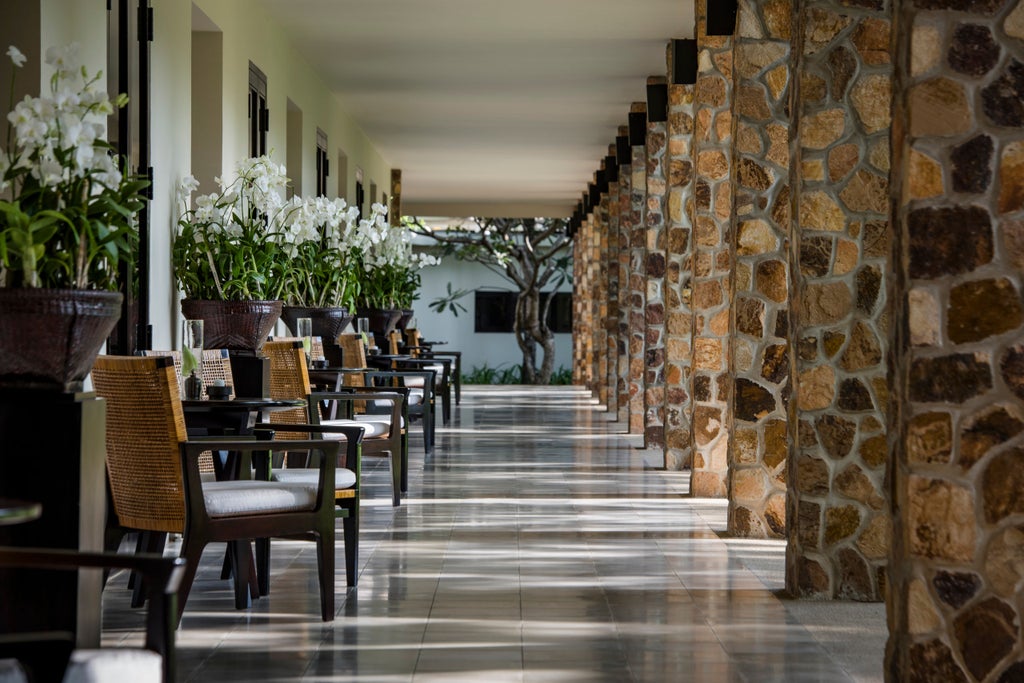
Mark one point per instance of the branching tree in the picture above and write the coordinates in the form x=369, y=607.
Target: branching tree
x=532, y=254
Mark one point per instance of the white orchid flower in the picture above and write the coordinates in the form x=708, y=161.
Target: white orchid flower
x=16, y=56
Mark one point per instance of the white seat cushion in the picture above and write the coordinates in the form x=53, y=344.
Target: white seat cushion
x=372, y=428
x=246, y=497
x=343, y=478
x=114, y=664
x=377, y=419
x=12, y=672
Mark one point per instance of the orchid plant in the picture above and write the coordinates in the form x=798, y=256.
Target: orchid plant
x=231, y=245
x=390, y=270
x=321, y=240
x=67, y=218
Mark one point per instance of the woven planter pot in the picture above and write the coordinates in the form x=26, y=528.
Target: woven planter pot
x=240, y=326
x=49, y=338
x=328, y=322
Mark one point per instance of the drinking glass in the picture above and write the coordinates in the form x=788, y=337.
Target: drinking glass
x=304, y=330
x=192, y=357
x=363, y=328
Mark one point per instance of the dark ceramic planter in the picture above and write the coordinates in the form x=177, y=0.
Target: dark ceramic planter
x=49, y=338
x=239, y=326
x=403, y=321
x=328, y=322
x=382, y=321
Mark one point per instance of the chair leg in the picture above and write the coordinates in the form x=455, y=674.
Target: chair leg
x=191, y=551
x=325, y=570
x=241, y=567
x=263, y=565
x=149, y=542
x=350, y=530
x=395, y=464
x=404, y=484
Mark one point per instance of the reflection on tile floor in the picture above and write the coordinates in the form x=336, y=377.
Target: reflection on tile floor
x=533, y=546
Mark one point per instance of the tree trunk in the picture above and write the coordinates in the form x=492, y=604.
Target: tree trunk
x=531, y=330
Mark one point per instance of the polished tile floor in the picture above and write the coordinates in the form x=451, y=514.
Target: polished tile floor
x=533, y=546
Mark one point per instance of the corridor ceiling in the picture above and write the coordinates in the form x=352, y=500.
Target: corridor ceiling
x=489, y=107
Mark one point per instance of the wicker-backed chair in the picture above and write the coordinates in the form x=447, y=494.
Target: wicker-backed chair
x=420, y=348
x=49, y=655
x=289, y=379
x=417, y=382
x=417, y=359
x=216, y=366
x=156, y=486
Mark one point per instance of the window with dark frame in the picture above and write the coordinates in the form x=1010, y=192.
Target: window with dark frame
x=322, y=164
x=495, y=311
x=259, y=115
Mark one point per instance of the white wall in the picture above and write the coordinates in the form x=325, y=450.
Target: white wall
x=478, y=349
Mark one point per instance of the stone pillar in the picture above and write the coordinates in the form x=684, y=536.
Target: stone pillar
x=654, y=306
x=592, y=246
x=760, y=352
x=600, y=263
x=583, y=301
x=838, y=523
x=713, y=261
x=956, y=573
x=637, y=266
x=678, y=277
x=610, y=207
x=624, y=154
x=395, y=200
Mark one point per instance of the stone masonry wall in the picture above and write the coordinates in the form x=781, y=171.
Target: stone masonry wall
x=579, y=307
x=610, y=204
x=654, y=309
x=625, y=193
x=840, y=167
x=679, y=279
x=760, y=352
x=599, y=257
x=956, y=597
x=637, y=283
x=713, y=261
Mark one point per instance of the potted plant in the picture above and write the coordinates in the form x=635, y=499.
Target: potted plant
x=67, y=218
x=228, y=255
x=321, y=281
x=390, y=276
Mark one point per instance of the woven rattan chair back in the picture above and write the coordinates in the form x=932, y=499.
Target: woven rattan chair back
x=289, y=379
x=412, y=339
x=145, y=424
x=355, y=357
x=216, y=366
x=316, y=347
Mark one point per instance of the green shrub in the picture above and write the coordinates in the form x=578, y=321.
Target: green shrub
x=510, y=373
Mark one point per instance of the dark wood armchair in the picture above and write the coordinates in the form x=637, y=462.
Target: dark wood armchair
x=156, y=486
x=46, y=657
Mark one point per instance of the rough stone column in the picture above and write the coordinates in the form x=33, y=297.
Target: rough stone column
x=625, y=156
x=593, y=302
x=956, y=595
x=637, y=272
x=760, y=352
x=584, y=301
x=654, y=308
x=578, y=307
x=678, y=278
x=713, y=261
x=600, y=258
x=395, y=210
x=610, y=204
x=838, y=521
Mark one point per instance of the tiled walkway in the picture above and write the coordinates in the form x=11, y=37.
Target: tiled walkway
x=533, y=546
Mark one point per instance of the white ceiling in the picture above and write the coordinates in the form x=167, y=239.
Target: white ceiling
x=489, y=107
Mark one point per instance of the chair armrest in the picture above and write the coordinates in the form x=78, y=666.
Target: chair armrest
x=193, y=484
x=163, y=577
x=353, y=438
